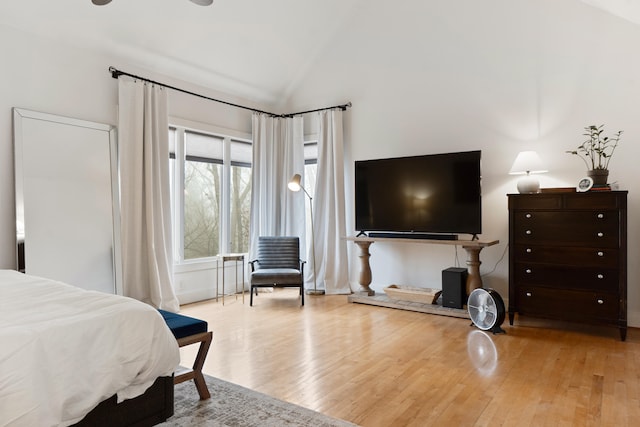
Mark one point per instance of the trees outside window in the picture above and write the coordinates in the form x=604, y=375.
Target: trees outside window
x=240, y=200
x=201, y=209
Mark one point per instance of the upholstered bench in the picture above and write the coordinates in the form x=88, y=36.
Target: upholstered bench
x=189, y=330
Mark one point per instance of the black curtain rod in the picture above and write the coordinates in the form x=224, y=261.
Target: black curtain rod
x=343, y=107
x=115, y=73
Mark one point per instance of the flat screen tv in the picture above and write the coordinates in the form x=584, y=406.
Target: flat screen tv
x=429, y=194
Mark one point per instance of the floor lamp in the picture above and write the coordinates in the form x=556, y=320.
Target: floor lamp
x=294, y=185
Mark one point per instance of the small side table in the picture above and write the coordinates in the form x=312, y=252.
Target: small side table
x=230, y=257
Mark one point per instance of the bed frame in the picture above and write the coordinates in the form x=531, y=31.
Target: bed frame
x=148, y=409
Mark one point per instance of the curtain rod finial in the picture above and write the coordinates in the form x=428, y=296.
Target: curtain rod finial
x=114, y=72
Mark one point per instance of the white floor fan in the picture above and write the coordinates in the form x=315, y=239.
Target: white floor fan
x=486, y=309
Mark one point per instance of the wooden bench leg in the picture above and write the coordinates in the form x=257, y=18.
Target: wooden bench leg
x=195, y=374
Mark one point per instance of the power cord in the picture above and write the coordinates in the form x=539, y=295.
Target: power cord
x=497, y=262
x=456, y=260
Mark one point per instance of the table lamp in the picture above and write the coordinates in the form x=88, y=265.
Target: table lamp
x=527, y=162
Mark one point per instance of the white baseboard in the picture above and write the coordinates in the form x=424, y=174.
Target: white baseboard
x=633, y=319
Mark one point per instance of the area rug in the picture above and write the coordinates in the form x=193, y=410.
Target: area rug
x=233, y=405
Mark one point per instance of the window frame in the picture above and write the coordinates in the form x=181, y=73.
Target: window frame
x=177, y=209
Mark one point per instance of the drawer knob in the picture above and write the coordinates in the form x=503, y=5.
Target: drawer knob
x=527, y=215
x=528, y=250
x=528, y=232
x=600, y=253
x=528, y=294
x=600, y=276
x=600, y=234
x=600, y=215
x=600, y=301
x=528, y=271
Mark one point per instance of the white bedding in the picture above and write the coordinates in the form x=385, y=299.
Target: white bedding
x=64, y=349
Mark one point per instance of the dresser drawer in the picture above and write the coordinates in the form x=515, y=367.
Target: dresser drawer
x=591, y=200
x=568, y=228
x=557, y=276
x=568, y=304
x=536, y=201
x=567, y=256
x=595, y=201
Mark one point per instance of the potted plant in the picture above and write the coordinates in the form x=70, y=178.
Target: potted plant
x=596, y=152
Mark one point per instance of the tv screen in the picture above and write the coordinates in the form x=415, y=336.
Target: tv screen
x=438, y=193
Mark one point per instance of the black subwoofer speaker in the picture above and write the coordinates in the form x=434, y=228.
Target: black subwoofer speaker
x=454, y=287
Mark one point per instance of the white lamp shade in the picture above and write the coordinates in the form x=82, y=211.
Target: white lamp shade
x=294, y=184
x=527, y=162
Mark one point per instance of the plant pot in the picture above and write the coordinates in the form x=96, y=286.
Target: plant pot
x=599, y=176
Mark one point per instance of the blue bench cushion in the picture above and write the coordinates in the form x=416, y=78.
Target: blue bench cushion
x=183, y=326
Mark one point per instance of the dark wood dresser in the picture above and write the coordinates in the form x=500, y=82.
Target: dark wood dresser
x=568, y=257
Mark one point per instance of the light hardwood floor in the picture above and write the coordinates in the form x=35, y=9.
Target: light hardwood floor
x=376, y=366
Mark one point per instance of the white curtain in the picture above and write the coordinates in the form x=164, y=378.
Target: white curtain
x=278, y=154
x=143, y=154
x=329, y=206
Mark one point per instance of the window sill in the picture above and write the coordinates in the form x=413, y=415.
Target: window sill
x=200, y=264
x=196, y=265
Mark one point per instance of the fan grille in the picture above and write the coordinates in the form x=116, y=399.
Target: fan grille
x=485, y=308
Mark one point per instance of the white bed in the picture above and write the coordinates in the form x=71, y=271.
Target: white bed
x=63, y=350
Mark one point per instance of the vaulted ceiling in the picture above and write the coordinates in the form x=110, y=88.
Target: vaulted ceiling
x=625, y=9
x=258, y=49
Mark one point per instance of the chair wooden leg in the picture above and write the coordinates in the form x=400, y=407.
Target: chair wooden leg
x=198, y=364
x=195, y=374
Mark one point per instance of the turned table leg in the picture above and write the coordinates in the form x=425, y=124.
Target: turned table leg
x=474, y=280
x=365, y=268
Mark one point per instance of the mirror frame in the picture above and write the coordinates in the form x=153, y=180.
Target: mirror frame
x=101, y=132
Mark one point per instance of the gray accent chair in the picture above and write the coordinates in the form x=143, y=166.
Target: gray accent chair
x=278, y=265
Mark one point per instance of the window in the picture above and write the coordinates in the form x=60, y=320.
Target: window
x=310, y=166
x=240, y=200
x=211, y=193
x=310, y=173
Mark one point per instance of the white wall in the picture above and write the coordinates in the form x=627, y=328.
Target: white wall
x=500, y=76
x=40, y=75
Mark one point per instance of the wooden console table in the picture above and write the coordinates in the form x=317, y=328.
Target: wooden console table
x=473, y=248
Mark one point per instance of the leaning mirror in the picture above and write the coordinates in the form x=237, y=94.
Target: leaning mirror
x=67, y=217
